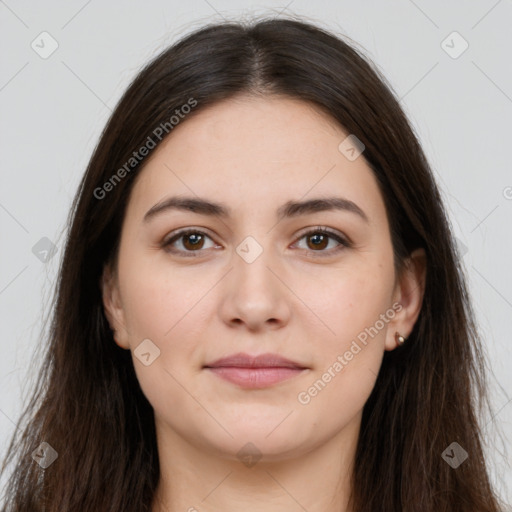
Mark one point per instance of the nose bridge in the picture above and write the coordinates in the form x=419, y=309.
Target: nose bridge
x=254, y=251
x=255, y=295
x=252, y=259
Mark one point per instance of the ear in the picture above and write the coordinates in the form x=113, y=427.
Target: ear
x=409, y=292
x=113, y=307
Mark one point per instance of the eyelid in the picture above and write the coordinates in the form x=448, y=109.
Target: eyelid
x=176, y=235
x=324, y=229
x=342, y=240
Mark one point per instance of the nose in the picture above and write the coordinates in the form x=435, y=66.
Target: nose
x=255, y=296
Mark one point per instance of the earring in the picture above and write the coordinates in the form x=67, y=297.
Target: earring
x=400, y=340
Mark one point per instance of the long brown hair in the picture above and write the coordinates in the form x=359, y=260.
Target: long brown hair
x=88, y=405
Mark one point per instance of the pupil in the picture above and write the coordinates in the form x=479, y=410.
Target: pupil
x=320, y=239
x=194, y=239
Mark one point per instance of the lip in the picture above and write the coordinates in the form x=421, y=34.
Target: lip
x=242, y=360
x=252, y=372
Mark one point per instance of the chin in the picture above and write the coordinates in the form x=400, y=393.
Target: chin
x=261, y=442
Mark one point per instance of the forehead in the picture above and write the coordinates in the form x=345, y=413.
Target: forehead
x=254, y=152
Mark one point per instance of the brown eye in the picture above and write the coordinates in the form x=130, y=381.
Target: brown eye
x=191, y=241
x=318, y=239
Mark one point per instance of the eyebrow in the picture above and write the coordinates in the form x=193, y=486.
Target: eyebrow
x=288, y=210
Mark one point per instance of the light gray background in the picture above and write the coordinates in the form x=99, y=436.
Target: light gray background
x=53, y=110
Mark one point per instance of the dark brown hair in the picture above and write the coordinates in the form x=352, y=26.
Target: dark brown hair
x=88, y=404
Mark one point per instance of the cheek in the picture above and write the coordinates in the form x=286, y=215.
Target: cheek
x=165, y=310
x=170, y=308
x=348, y=300
x=357, y=310
x=347, y=366
x=157, y=301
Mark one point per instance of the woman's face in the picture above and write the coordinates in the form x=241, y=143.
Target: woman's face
x=249, y=279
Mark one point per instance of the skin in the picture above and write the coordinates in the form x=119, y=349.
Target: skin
x=305, y=303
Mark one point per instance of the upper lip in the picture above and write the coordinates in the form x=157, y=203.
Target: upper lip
x=267, y=360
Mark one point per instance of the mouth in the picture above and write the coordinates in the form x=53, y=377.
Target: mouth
x=253, y=372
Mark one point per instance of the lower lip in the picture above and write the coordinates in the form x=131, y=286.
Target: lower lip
x=255, y=377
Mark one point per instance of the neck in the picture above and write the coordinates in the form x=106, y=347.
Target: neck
x=194, y=480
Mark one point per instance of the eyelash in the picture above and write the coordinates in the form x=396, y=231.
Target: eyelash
x=344, y=243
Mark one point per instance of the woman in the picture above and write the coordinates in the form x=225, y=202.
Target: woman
x=260, y=305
